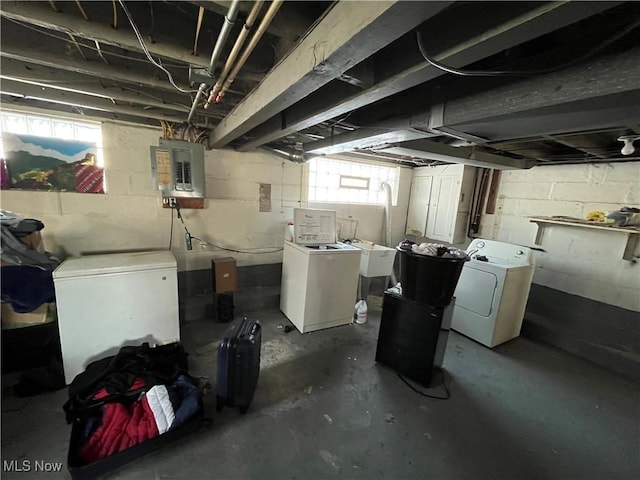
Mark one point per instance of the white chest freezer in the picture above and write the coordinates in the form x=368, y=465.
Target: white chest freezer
x=105, y=302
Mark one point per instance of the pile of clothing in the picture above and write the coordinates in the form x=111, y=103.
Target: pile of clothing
x=433, y=250
x=30, y=340
x=129, y=398
x=27, y=280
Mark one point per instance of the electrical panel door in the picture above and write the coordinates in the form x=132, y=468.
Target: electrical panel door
x=177, y=168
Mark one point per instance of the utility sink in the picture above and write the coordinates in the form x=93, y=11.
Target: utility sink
x=375, y=260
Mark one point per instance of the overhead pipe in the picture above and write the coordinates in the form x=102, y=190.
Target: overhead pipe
x=296, y=156
x=477, y=214
x=266, y=20
x=388, y=202
x=229, y=19
x=248, y=26
x=387, y=222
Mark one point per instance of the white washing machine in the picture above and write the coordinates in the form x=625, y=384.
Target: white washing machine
x=492, y=291
x=319, y=274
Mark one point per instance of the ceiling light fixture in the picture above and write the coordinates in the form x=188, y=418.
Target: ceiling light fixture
x=628, y=148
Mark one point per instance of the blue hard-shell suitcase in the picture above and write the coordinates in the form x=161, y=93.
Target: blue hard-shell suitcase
x=238, y=366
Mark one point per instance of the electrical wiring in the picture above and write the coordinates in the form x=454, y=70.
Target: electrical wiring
x=171, y=230
x=167, y=130
x=444, y=384
x=115, y=15
x=146, y=51
x=89, y=47
x=142, y=92
x=201, y=135
x=518, y=73
x=275, y=249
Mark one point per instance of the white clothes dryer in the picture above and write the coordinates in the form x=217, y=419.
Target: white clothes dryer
x=492, y=292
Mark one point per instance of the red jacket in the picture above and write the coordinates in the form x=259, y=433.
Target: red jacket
x=122, y=427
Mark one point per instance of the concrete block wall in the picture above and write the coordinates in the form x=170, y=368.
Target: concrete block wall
x=585, y=298
x=579, y=261
x=130, y=215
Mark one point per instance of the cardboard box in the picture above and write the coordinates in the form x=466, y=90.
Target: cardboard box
x=225, y=276
x=34, y=241
x=43, y=314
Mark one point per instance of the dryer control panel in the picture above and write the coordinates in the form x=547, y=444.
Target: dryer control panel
x=500, y=252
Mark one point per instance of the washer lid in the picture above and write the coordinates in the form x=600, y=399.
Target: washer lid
x=114, y=263
x=313, y=226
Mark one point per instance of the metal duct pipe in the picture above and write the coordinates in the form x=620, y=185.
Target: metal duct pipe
x=248, y=25
x=387, y=222
x=296, y=157
x=387, y=213
x=273, y=9
x=229, y=19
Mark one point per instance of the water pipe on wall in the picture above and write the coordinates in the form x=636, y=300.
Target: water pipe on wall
x=387, y=222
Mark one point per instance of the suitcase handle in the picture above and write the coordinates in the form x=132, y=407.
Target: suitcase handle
x=255, y=328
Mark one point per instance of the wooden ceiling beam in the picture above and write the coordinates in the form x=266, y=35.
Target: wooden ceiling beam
x=78, y=100
x=16, y=61
x=288, y=24
x=348, y=34
x=41, y=15
x=402, y=67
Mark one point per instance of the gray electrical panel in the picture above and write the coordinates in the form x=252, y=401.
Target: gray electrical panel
x=177, y=168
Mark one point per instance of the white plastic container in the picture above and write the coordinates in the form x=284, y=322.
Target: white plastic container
x=376, y=260
x=288, y=232
x=361, y=312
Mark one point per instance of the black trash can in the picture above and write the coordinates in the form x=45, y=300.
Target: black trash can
x=429, y=279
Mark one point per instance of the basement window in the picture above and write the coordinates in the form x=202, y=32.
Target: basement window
x=332, y=180
x=49, y=153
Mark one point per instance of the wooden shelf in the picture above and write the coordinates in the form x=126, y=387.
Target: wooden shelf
x=186, y=202
x=632, y=231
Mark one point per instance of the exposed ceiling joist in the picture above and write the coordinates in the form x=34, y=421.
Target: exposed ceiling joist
x=18, y=63
x=361, y=138
x=593, y=79
x=428, y=149
x=556, y=102
x=336, y=76
x=53, y=76
x=466, y=47
x=94, y=89
x=348, y=34
x=387, y=132
x=288, y=24
x=33, y=105
x=583, y=143
x=293, y=114
x=591, y=114
x=41, y=15
x=52, y=66
x=19, y=89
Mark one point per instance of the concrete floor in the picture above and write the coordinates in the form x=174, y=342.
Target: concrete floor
x=325, y=409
